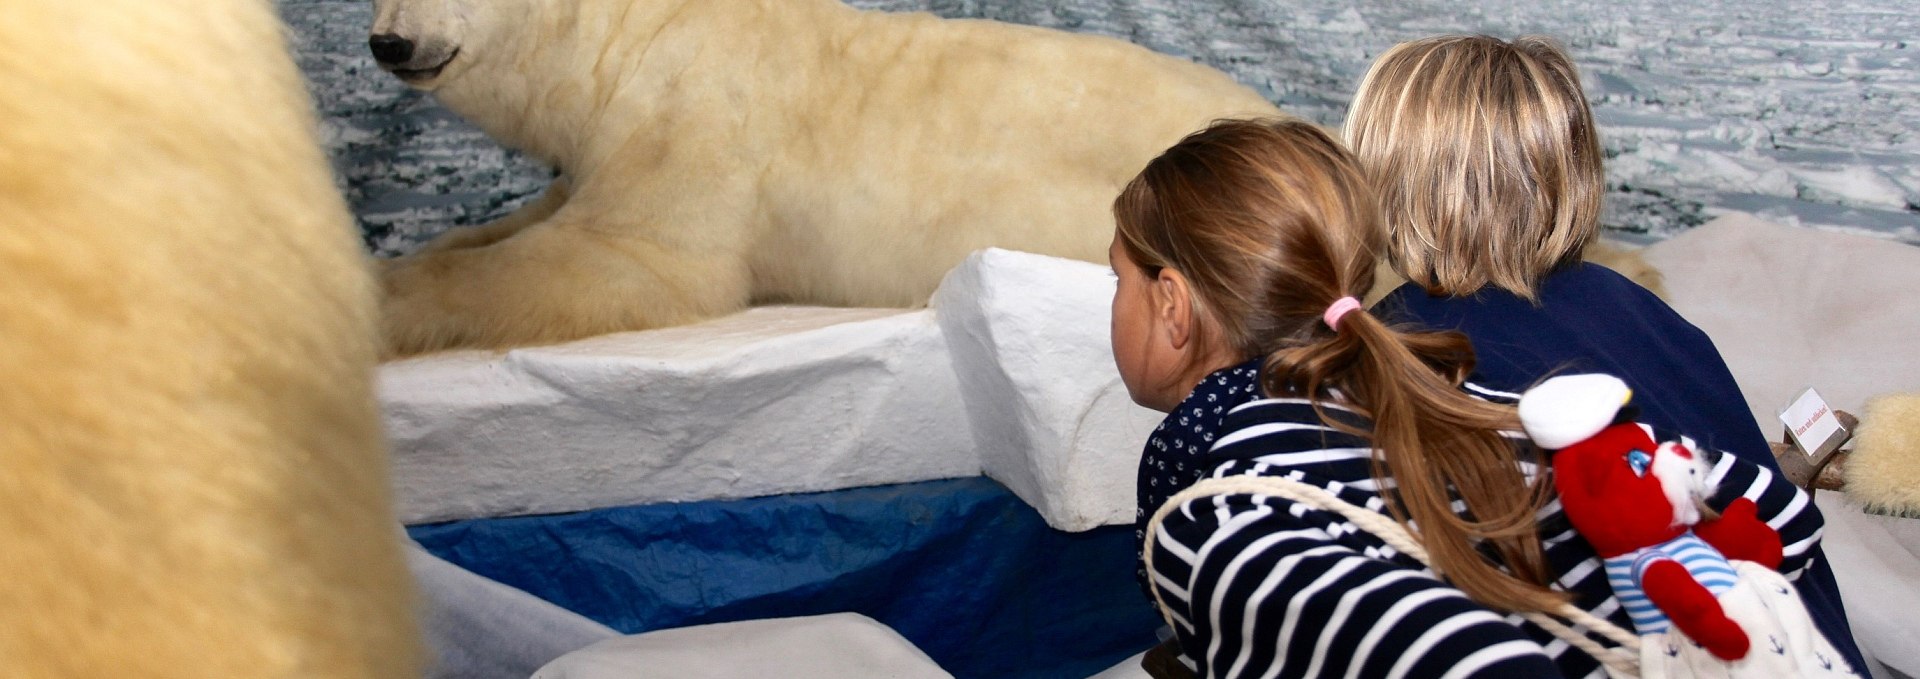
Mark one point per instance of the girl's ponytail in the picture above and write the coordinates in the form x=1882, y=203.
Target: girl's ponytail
x=1432, y=443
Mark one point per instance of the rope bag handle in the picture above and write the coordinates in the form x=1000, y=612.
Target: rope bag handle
x=1620, y=662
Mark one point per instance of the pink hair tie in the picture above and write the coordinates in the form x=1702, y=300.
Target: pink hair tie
x=1339, y=308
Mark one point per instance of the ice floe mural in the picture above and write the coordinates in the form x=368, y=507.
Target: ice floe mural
x=1802, y=113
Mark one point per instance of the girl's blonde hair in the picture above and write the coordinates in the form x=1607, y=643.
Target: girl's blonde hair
x=1485, y=158
x=1271, y=222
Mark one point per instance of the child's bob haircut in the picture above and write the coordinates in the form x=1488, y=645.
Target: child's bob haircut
x=1485, y=159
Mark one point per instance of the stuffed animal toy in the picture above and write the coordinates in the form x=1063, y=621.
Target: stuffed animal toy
x=1677, y=568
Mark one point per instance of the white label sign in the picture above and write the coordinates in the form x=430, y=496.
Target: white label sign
x=1812, y=425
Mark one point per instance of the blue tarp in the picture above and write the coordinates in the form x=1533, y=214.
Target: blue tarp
x=962, y=568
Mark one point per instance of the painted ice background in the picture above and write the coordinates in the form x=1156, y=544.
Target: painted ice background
x=1804, y=113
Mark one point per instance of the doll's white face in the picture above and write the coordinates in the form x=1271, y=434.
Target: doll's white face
x=1683, y=478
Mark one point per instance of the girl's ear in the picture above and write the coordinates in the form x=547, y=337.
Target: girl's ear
x=1173, y=306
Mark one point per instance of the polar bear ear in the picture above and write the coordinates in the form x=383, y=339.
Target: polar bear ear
x=1569, y=409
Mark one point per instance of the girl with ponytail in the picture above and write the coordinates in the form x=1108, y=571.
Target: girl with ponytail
x=1239, y=254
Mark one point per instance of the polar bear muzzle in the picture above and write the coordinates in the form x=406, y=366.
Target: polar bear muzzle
x=413, y=62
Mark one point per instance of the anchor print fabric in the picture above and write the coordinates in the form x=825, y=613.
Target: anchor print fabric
x=1784, y=642
x=1172, y=458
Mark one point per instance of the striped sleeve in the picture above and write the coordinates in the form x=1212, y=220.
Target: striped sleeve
x=1783, y=506
x=1259, y=587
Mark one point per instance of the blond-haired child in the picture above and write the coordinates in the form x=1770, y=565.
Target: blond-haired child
x=1488, y=165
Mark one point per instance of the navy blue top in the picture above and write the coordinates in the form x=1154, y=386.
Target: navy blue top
x=1591, y=319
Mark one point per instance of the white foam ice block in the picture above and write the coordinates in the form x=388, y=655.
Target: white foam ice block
x=1791, y=308
x=481, y=629
x=1029, y=339
x=1876, y=562
x=834, y=646
x=771, y=400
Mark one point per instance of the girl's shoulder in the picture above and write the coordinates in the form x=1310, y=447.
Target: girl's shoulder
x=1288, y=424
x=1289, y=436
x=1295, y=423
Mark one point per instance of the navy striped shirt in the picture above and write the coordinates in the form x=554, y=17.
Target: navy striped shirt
x=1263, y=587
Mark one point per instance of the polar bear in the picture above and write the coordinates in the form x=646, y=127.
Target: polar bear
x=719, y=153
x=192, y=469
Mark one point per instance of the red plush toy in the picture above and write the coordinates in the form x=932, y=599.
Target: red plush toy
x=1639, y=504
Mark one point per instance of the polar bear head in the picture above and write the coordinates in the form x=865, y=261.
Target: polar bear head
x=524, y=71
x=428, y=42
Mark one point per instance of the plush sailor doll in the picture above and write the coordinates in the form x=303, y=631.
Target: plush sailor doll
x=1701, y=589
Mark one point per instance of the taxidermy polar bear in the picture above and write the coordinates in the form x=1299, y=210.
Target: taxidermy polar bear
x=718, y=153
x=192, y=469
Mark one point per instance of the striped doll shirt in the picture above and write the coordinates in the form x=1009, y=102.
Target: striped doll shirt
x=1626, y=572
x=1260, y=586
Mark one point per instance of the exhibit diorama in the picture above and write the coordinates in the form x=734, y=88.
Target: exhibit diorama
x=771, y=337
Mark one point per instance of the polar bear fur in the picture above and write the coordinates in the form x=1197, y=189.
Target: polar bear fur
x=718, y=153
x=192, y=473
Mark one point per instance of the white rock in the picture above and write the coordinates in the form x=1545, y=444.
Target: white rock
x=480, y=629
x=1029, y=340
x=832, y=646
x=1873, y=562
x=772, y=400
x=1791, y=308
x=789, y=399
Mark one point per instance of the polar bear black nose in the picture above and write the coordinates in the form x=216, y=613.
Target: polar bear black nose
x=390, y=48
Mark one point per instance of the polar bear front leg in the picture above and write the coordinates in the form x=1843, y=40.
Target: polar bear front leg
x=534, y=212
x=554, y=282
